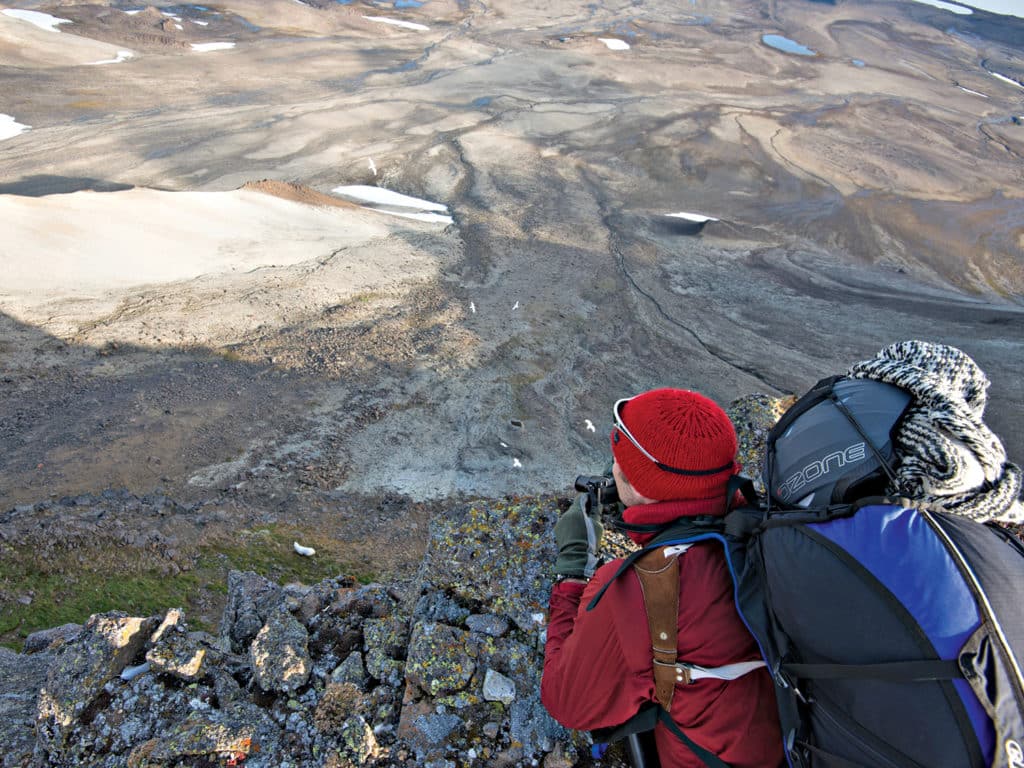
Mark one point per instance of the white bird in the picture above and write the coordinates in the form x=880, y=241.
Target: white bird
x=373, y=167
x=472, y=307
x=503, y=444
x=515, y=306
x=590, y=425
x=305, y=551
x=516, y=463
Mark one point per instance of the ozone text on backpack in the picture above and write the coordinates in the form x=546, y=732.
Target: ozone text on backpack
x=895, y=634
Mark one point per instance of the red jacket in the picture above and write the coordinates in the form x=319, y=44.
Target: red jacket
x=598, y=668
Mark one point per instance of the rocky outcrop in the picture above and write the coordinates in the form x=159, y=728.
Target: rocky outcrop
x=440, y=671
x=78, y=679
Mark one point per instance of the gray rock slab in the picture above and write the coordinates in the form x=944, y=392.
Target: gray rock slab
x=251, y=600
x=440, y=658
x=351, y=670
x=47, y=639
x=488, y=624
x=107, y=644
x=23, y=676
x=280, y=654
x=497, y=687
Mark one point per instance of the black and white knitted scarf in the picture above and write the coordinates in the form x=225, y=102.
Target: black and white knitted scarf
x=948, y=456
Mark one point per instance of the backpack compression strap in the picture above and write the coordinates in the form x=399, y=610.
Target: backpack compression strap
x=671, y=533
x=646, y=719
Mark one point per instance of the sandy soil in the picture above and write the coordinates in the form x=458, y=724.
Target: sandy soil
x=187, y=308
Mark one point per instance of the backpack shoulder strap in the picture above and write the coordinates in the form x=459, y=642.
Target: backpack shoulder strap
x=658, y=571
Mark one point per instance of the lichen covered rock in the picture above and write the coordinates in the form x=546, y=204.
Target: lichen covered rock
x=340, y=702
x=251, y=600
x=440, y=659
x=22, y=678
x=280, y=654
x=177, y=652
x=82, y=668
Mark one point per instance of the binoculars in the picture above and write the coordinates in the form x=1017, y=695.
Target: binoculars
x=600, y=488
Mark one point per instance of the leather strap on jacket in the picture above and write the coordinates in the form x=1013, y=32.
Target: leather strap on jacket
x=659, y=581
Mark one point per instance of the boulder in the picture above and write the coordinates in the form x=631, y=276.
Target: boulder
x=497, y=687
x=488, y=624
x=178, y=652
x=251, y=600
x=340, y=702
x=351, y=670
x=440, y=659
x=384, y=641
x=22, y=675
x=82, y=667
x=280, y=654
x=49, y=639
x=206, y=734
x=496, y=556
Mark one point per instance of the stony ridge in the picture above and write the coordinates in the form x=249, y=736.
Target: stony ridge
x=443, y=670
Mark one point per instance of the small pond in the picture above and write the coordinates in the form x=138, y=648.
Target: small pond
x=787, y=45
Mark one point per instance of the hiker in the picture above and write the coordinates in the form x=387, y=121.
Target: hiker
x=674, y=454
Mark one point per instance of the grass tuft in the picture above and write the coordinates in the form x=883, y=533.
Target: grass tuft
x=67, y=586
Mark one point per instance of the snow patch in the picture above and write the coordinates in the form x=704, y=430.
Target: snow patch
x=957, y=9
x=203, y=47
x=698, y=217
x=432, y=218
x=976, y=93
x=408, y=207
x=121, y=56
x=41, y=20
x=1002, y=7
x=9, y=127
x=397, y=23
x=1006, y=79
x=380, y=196
x=615, y=44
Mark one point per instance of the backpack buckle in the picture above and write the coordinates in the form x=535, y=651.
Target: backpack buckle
x=683, y=675
x=785, y=681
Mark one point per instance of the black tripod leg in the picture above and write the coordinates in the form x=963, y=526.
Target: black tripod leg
x=635, y=751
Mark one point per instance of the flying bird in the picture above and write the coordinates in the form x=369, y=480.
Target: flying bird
x=516, y=463
x=515, y=306
x=472, y=307
x=373, y=167
x=590, y=425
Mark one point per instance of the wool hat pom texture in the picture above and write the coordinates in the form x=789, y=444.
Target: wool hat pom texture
x=681, y=429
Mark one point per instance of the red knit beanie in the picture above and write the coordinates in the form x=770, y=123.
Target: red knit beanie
x=683, y=430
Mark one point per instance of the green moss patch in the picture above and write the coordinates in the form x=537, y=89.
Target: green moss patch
x=70, y=585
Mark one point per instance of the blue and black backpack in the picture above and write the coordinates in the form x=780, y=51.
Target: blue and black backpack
x=894, y=633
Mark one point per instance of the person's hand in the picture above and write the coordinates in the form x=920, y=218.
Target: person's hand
x=578, y=534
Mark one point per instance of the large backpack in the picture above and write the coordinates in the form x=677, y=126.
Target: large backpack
x=894, y=633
